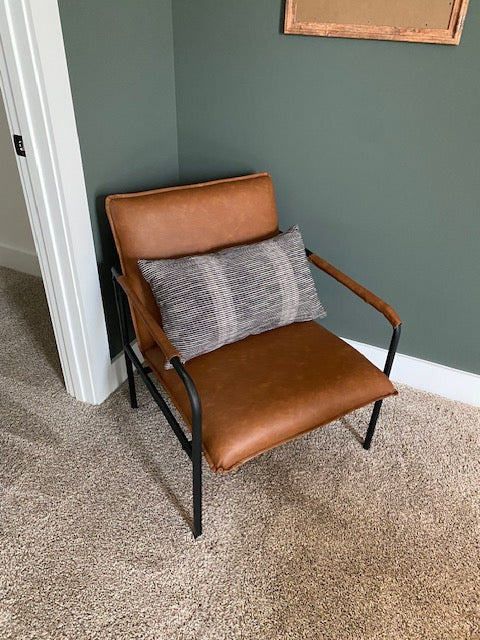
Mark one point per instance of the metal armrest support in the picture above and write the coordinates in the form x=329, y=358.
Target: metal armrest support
x=381, y=306
x=369, y=297
x=194, y=447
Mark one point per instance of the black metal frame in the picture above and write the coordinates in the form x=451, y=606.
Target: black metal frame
x=193, y=447
x=392, y=350
x=387, y=369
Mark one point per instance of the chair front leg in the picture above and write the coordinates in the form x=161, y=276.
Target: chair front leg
x=196, y=456
x=197, y=477
x=378, y=405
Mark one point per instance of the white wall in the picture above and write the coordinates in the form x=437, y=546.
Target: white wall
x=17, y=250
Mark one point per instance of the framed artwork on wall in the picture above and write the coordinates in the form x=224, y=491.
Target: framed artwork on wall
x=433, y=21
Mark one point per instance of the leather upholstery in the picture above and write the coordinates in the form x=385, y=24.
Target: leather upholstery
x=269, y=388
x=265, y=389
x=180, y=221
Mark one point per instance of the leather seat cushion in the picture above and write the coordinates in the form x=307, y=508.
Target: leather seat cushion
x=270, y=388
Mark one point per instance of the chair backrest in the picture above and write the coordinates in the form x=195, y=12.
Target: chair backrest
x=188, y=220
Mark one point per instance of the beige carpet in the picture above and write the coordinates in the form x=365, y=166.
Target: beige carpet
x=317, y=539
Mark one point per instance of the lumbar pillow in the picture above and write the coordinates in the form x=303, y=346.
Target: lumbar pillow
x=213, y=299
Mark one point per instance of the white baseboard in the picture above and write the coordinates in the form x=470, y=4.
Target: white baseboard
x=427, y=376
x=19, y=260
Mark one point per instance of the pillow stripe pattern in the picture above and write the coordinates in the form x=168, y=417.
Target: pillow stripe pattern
x=210, y=300
x=224, y=312
x=289, y=291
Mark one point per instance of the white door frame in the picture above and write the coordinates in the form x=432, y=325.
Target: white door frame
x=38, y=100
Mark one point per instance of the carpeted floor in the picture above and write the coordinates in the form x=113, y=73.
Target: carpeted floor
x=317, y=539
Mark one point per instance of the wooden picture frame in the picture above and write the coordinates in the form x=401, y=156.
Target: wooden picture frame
x=433, y=21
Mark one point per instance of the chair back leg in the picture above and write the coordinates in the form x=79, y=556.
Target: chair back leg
x=122, y=321
x=131, y=384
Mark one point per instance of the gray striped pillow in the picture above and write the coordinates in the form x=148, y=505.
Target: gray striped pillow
x=213, y=299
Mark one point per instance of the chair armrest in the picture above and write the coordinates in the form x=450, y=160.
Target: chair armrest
x=369, y=297
x=152, y=325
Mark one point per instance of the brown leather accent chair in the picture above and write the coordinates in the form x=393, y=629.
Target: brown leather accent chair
x=247, y=397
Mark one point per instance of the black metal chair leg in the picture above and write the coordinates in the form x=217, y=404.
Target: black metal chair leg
x=197, y=497
x=373, y=423
x=131, y=383
x=122, y=321
x=196, y=463
x=378, y=405
x=196, y=442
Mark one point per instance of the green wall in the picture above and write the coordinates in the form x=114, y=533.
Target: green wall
x=374, y=148
x=120, y=61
